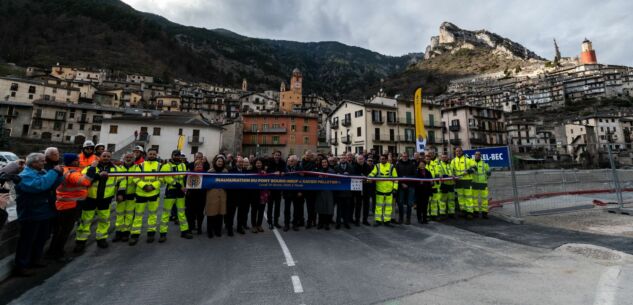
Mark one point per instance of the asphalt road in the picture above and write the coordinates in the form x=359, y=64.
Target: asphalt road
x=432, y=264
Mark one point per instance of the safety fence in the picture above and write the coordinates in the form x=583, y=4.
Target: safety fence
x=559, y=178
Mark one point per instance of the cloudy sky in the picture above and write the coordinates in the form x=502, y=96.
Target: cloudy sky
x=396, y=27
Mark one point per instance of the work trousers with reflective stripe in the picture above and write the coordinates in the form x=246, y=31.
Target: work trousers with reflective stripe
x=480, y=192
x=383, y=207
x=463, y=188
x=89, y=208
x=125, y=215
x=435, y=203
x=168, y=203
x=448, y=198
x=139, y=214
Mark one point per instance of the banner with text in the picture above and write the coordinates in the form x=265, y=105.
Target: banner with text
x=270, y=182
x=494, y=156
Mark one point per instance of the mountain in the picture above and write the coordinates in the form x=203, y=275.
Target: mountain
x=110, y=34
x=456, y=53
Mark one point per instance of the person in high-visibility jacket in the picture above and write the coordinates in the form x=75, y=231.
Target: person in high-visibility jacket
x=174, y=194
x=448, y=187
x=74, y=188
x=147, y=195
x=480, y=186
x=384, y=191
x=435, y=201
x=125, y=208
x=87, y=155
x=100, y=194
x=463, y=168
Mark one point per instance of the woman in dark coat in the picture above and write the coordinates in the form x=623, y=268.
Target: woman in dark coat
x=195, y=201
x=325, y=199
x=215, y=207
x=423, y=192
x=258, y=200
x=243, y=198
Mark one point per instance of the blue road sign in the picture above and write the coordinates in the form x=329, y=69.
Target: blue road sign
x=494, y=156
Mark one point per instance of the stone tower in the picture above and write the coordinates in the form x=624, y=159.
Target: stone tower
x=587, y=54
x=291, y=97
x=244, y=85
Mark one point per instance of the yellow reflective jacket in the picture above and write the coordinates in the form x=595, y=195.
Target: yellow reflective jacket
x=127, y=183
x=482, y=172
x=141, y=181
x=446, y=169
x=171, y=181
x=385, y=171
x=103, y=188
x=434, y=168
x=460, y=165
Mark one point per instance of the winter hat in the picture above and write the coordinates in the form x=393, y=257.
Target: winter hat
x=70, y=158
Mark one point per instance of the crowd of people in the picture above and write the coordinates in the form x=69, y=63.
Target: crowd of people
x=57, y=193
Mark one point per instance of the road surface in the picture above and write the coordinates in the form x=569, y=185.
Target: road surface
x=432, y=264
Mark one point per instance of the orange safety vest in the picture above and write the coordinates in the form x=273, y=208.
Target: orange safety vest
x=73, y=188
x=85, y=162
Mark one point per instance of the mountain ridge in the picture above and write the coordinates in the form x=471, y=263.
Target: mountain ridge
x=111, y=34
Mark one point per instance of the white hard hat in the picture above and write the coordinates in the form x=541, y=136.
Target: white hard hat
x=100, y=144
x=139, y=148
x=89, y=144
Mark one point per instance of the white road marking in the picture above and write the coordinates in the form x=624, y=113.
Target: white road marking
x=289, y=261
x=296, y=283
x=607, y=286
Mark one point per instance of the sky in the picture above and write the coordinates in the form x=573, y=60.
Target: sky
x=397, y=27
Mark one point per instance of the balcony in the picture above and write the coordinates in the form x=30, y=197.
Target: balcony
x=453, y=128
x=334, y=124
x=376, y=120
x=392, y=121
x=334, y=141
x=268, y=130
x=347, y=122
x=195, y=140
x=456, y=142
x=83, y=120
x=274, y=144
x=479, y=141
x=406, y=139
x=346, y=140
x=404, y=122
x=383, y=139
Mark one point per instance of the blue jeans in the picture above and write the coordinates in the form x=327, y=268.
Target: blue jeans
x=406, y=196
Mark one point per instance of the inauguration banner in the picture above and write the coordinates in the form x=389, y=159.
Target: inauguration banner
x=494, y=156
x=272, y=182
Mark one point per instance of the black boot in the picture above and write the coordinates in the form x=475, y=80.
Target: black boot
x=286, y=228
x=80, y=246
x=102, y=243
x=118, y=236
x=150, y=237
x=484, y=215
x=377, y=223
x=162, y=238
x=133, y=239
x=186, y=234
x=125, y=236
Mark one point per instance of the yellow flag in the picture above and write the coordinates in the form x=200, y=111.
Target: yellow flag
x=181, y=142
x=420, y=132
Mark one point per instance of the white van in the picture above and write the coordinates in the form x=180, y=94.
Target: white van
x=6, y=157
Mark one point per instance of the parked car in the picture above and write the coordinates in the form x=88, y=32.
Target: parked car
x=6, y=157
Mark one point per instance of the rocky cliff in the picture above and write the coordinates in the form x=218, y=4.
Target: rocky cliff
x=451, y=39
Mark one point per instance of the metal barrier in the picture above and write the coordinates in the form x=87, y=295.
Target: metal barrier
x=586, y=176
